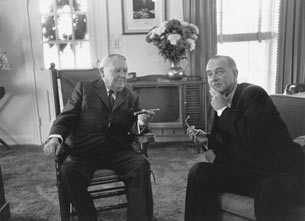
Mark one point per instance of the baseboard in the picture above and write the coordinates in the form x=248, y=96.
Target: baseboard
x=18, y=140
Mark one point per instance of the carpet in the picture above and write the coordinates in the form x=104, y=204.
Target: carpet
x=29, y=182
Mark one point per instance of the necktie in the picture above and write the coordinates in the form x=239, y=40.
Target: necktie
x=111, y=99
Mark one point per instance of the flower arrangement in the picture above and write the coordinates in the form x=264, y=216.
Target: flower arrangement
x=4, y=65
x=173, y=38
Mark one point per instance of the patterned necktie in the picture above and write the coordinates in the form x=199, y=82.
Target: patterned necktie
x=111, y=99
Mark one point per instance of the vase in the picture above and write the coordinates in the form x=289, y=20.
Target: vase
x=175, y=72
x=2, y=92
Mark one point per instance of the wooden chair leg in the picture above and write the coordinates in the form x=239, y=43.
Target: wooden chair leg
x=64, y=204
x=4, y=206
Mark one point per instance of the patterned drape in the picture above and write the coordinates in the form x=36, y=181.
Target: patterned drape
x=202, y=14
x=291, y=49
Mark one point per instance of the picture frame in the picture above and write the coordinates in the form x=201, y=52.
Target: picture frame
x=139, y=16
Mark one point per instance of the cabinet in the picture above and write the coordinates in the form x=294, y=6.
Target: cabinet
x=176, y=100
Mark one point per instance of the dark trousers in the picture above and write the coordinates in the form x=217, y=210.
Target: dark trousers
x=271, y=193
x=77, y=172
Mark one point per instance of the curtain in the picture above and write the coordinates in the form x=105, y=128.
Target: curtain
x=202, y=13
x=291, y=49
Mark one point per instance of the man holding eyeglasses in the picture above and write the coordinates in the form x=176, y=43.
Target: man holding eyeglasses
x=249, y=151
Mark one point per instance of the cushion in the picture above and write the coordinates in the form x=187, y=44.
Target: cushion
x=292, y=111
x=300, y=140
x=237, y=204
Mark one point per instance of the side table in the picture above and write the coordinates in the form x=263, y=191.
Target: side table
x=4, y=206
x=2, y=93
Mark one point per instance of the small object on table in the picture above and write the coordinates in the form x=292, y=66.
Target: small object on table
x=2, y=93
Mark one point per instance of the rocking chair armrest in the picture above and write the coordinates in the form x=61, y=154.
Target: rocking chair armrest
x=59, y=159
x=145, y=138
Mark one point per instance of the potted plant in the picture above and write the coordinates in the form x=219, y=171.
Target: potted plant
x=174, y=38
x=4, y=66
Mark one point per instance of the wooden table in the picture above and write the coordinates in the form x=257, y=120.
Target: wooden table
x=4, y=206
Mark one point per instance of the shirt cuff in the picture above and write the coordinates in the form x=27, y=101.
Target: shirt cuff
x=219, y=112
x=57, y=136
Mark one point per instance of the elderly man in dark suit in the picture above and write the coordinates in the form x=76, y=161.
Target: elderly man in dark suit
x=249, y=151
x=96, y=124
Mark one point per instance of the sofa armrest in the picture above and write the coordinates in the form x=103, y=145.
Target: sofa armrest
x=301, y=141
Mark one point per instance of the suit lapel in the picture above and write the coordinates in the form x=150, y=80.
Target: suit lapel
x=236, y=95
x=121, y=97
x=100, y=89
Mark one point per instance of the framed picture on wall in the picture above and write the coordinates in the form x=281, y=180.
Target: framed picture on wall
x=139, y=16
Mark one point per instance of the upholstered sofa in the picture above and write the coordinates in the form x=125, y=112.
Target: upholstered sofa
x=241, y=208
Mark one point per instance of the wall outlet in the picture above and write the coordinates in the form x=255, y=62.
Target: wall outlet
x=116, y=41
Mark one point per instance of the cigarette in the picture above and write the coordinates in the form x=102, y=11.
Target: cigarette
x=144, y=111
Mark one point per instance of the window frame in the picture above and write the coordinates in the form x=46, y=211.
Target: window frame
x=254, y=36
x=97, y=26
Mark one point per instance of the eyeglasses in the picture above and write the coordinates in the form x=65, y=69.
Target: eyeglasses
x=188, y=125
x=196, y=132
x=186, y=119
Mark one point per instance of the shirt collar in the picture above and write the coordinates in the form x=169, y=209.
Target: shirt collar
x=230, y=96
x=114, y=94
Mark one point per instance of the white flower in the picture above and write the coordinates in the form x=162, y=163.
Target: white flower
x=194, y=37
x=191, y=43
x=173, y=38
x=154, y=31
x=163, y=25
x=184, y=23
x=196, y=28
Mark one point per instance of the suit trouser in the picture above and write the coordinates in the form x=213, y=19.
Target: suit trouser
x=76, y=173
x=272, y=193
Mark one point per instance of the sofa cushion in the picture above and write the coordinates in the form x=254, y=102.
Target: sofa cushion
x=292, y=111
x=237, y=204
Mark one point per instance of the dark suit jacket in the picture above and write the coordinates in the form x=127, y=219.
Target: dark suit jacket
x=86, y=121
x=251, y=135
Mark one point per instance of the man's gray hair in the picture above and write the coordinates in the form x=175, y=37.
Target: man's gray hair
x=230, y=61
x=108, y=58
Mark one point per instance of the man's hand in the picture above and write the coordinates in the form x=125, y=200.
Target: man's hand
x=209, y=155
x=146, y=117
x=218, y=100
x=197, y=135
x=52, y=147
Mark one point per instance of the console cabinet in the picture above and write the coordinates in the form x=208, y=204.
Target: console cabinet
x=176, y=100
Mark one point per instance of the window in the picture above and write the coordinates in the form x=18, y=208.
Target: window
x=65, y=35
x=247, y=31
